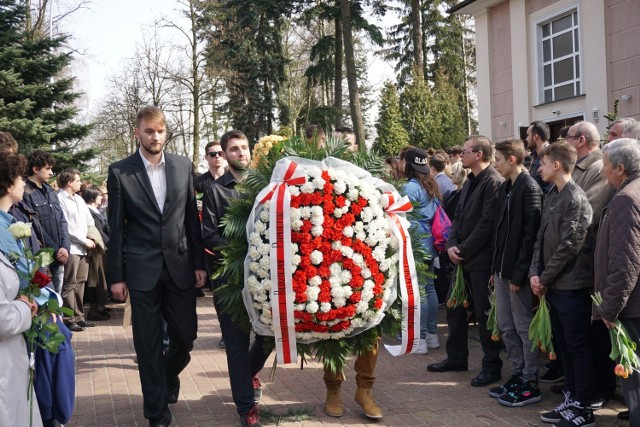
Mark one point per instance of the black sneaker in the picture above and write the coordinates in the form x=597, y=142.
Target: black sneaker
x=555, y=416
x=515, y=380
x=522, y=394
x=577, y=416
x=552, y=376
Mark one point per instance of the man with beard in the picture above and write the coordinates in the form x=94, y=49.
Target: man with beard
x=156, y=257
x=538, y=135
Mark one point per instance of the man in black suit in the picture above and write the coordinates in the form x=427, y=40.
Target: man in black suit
x=471, y=243
x=156, y=257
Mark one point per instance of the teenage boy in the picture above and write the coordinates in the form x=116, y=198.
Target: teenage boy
x=566, y=217
x=40, y=198
x=244, y=361
x=217, y=166
x=515, y=231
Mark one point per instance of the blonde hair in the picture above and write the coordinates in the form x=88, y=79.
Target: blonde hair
x=458, y=174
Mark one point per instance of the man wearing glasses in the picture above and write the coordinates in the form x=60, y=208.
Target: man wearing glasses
x=217, y=166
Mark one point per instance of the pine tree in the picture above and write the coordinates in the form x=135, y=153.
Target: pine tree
x=392, y=136
x=36, y=103
x=416, y=103
x=446, y=113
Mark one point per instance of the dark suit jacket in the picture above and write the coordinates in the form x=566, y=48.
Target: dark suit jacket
x=472, y=225
x=142, y=238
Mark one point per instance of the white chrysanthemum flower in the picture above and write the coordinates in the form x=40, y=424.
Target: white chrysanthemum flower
x=264, y=215
x=337, y=292
x=347, y=291
x=255, y=239
x=361, y=236
x=362, y=307
x=315, y=281
x=357, y=323
x=305, y=212
x=317, y=211
x=312, y=293
x=308, y=187
x=317, y=219
x=345, y=276
x=319, y=183
x=254, y=267
x=312, y=307
x=253, y=253
x=260, y=297
x=295, y=260
x=264, y=249
x=367, y=214
x=260, y=227
x=378, y=254
x=296, y=224
x=335, y=268
x=336, y=245
x=337, y=212
x=353, y=194
x=317, y=230
x=252, y=281
x=366, y=273
x=347, y=251
x=358, y=259
x=294, y=190
x=358, y=226
x=339, y=187
x=348, y=231
x=339, y=302
x=334, y=280
x=316, y=257
x=295, y=214
x=325, y=307
x=300, y=307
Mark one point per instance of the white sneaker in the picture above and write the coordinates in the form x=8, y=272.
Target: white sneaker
x=432, y=341
x=422, y=347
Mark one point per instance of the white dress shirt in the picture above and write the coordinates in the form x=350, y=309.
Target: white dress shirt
x=78, y=219
x=158, y=177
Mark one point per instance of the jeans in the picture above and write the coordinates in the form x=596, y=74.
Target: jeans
x=631, y=385
x=57, y=276
x=514, y=312
x=429, y=307
x=457, y=342
x=570, y=320
x=243, y=361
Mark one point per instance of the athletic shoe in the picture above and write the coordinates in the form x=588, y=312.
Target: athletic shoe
x=432, y=341
x=422, y=347
x=577, y=416
x=555, y=416
x=250, y=419
x=257, y=389
x=522, y=394
x=515, y=380
x=552, y=376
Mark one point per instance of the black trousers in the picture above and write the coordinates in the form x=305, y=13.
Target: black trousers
x=457, y=343
x=570, y=319
x=159, y=373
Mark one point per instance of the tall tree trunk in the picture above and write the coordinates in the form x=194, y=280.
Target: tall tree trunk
x=195, y=75
x=337, y=100
x=416, y=36
x=352, y=75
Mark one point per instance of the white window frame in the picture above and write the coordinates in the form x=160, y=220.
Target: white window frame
x=540, y=63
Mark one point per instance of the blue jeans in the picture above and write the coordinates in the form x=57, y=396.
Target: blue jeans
x=429, y=306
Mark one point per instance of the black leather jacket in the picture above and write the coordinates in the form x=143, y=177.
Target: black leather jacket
x=519, y=209
x=214, y=206
x=566, y=217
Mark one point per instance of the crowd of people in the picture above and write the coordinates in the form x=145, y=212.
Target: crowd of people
x=528, y=218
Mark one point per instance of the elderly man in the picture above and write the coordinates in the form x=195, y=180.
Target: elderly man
x=618, y=127
x=632, y=131
x=617, y=256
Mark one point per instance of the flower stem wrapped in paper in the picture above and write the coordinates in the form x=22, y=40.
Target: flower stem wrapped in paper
x=540, y=329
x=622, y=346
x=327, y=250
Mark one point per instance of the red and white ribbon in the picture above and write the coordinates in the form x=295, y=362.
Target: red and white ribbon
x=409, y=290
x=282, y=295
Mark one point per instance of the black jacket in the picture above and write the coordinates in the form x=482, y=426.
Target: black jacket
x=472, y=225
x=565, y=219
x=143, y=238
x=102, y=225
x=214, y=206
x=519, y=209
x=44, y=202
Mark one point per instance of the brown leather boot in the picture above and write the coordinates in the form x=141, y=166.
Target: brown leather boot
x=333, y=405
x=365, y=400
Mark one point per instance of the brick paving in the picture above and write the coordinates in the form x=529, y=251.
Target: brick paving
x=108, y=387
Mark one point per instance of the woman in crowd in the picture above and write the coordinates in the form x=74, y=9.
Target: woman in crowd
x=422, y=190
x=97, y=284
x=16, y=311
x=458, y=177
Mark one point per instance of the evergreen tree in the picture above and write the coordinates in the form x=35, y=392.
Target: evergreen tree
x=446, y=114
x=392, y=136
x=416, y=104
x=36, y=103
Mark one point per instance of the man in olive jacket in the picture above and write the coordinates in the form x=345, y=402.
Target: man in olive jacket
x=471, y=243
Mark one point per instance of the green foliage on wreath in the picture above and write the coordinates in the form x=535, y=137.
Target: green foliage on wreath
x=334, y=353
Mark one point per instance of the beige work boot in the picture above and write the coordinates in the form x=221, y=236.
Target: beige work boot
x=365, y=400
x=333, y=405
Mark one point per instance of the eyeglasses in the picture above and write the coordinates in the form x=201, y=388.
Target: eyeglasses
x=214, y=153
x=469, y=151
x=573, y=137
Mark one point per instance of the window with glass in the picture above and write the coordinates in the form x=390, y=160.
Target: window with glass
x=560, y=55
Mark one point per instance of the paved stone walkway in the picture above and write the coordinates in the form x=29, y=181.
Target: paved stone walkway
x=108, y=387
